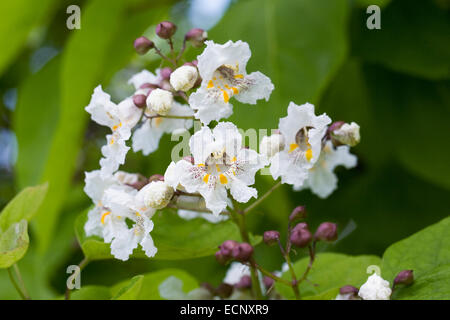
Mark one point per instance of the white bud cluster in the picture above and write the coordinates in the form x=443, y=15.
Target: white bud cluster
x=375, y=288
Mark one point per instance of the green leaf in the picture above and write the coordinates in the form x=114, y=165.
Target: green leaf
x=365, y=3
x=404, y=25
x=151, y=281
x=291, y=44
x=13, y=244
x=18, y=20
x=131, y=290
x=330, y=271
x=23, y=206
x=421, y=252
x=175, y=238
x=91, y=293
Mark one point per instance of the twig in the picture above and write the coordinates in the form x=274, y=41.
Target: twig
x=262, y=198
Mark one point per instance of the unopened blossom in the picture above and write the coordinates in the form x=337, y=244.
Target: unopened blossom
x=375, y=288
x=160, y=101
x=322, y=180
x=220, y=163
x=347, y=134
x=222, y=68
x=183, y=78
x=157, y=194
x=271, y=145
x=303, y=132
x=147, y=136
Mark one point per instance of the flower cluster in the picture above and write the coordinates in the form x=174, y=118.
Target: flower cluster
x=220, y=170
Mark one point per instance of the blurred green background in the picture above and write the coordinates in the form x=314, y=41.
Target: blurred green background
x=394, y=82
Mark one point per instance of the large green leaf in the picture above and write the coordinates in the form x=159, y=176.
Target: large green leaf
x=91, y=293
x=23, y=206
x=329, y=271
x=290, y=43
x=130, y=290
x=151, y=281
x=414, y=38
x=13, y=243
x=19, y=17
x=427, y=253
x=174, y=237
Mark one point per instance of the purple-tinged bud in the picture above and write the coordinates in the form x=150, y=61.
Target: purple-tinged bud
x=227, y=247
x=298, y=213
x=299, y=226
x=405, y=277
x=335, y=126
x=196, y=37
x=142, y=45
x=221, y=258
x=140, y=100
x=195, y=62
x=244, y=283
x=165, y=73
x=166, y=29
x=271, y=237
x=348, y=289
x=300, y=237
x=268, y=281
x=190, y=64
x=224, y=290
x=156, y=177
x=150, y=86
x=242, y=252
x=326, y=231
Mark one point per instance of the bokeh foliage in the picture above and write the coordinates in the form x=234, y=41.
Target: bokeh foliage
x=394, y=82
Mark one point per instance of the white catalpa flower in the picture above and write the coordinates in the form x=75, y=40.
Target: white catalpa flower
x=222, y=69
x=219, y=163
x=271, y=145
x=322, y=180
x=235, y=272
x=302, y=131
x=375, y=288
x=144, y=77
x=146, y=137
x=184, y=78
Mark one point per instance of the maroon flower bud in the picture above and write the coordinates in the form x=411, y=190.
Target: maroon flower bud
x=165, y=73
x=142, y=45
x=156, y=177
x=150, y=86
x=271, y=237
x=189, y=64
x=166, y=29
x=140, y=100
x=301, y=225
x=268, y=281
x=224, y=290
x=227, y=247
x=221, y=258
x=244, y=283
x=335, y=125
x=300, y=237
x=298, y=213
x=242, y=252
x=196, y=37
x=327, y=231
x=405, y=277
x=348, y=289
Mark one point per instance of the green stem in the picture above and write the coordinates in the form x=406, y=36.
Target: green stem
x=271, y=275
x=311, y=261
x=20, y=289
x=261, y=199
x=294, y=282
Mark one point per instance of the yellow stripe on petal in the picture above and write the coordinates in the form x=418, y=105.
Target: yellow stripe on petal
x=210, y=84
x=234, y=159
x=201, y=165
x=206, y=178
x=235, y=90
x=217, y=168
x=226, y=96
x=239, y=76
x=104, y=216
x=308, y=154
x=223, y=179
x=292, y=147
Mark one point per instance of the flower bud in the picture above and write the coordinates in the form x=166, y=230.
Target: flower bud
x=166, y=29
x=184, y=78
x=405, y=277
x=301, y=225
x=165, y=73
x=224, y=290
x=298, y=213
x=242, y=252
x=270, y=145
x=271, y=237
x=160, y=101
x=156, y=177
x=268, y=281
x=300, y=237
x=327, y=231
x=227, y=247
x=140, y=100
x=348, y=289
x=244, y=283
x=346, y=134
x=142, y=45
x=196, y=37
x=221, y=258
x=157, y=194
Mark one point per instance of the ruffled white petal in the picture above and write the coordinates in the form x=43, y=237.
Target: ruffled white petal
x=142, y=77
x=260, y=87
x=210, y=105
x=102, y=110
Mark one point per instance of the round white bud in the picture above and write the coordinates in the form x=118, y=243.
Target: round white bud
x=160, y=101
x=183, y=78
x=348, y=134
x=157, y=194
x=270, y=145
x=375, y=288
